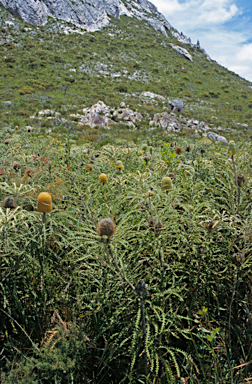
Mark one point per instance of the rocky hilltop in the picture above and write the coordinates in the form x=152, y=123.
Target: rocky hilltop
x=88, y=14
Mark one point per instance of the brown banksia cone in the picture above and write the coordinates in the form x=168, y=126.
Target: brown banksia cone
x=7, y=142
x=146, y=159
x=29, y=172
x=171, y=175
x=178, y=150
x=240, y=179
x=171, y=144
x=154, y=224
x=9, y=202
x=188, y=148
x=89, y=167
x=141, y=288
x=106, y=227
x=238, y=258
x=211, y=225
x=16, y=165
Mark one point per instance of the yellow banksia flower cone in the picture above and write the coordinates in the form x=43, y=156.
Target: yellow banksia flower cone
x=119, y=165
x=103, y=178
x=166, y=183
x=44, y=202
x=231, y=148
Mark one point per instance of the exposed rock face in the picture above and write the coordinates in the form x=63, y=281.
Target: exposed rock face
x=89, y=14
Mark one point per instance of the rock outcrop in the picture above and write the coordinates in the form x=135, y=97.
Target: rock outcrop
x=88, y=14
x=182, y=51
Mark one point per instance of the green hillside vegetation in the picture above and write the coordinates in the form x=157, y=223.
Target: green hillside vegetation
x=42, y=67
x=125, y=253
x=70, y=312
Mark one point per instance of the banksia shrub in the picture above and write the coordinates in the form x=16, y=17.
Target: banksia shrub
x=119, y=165
x=231, y=148
x=178, y=150
x=106, y=227
x=9, y=202
x=44, y=202
x=103, y=178
x=166, y=183
x=16, y=165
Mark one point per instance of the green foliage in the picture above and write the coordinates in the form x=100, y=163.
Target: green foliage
x=69, y=310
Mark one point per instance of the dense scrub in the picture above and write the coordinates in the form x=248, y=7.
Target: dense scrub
x=70, y=312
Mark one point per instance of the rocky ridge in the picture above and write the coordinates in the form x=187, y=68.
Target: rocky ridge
x=92, y=15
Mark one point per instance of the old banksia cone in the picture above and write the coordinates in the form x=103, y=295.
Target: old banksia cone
x=166, y=183
x=29, y=172
x=103, y=178
x=16, y=165
x=240, y=179
x=119, y=165
x=106, y=227
x=44, y=202
x=178, y=150
x=231, y=148
x=9, y=202
x=89, y=167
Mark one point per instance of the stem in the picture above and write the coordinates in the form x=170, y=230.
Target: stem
x=144, y=336
x=230, y=309
x=236, y=183
x=118, y=268
x=34, y=345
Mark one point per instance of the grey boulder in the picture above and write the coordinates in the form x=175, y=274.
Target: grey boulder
x=217, y=138
x=176, y=105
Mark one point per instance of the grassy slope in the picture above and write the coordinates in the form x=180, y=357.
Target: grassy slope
x=35, y=74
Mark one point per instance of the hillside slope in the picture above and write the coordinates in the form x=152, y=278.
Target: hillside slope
x=63, y=68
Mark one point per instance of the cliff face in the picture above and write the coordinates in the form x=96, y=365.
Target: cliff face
x=89, y=14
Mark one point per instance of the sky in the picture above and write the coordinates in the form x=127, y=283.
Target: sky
x=223, y=27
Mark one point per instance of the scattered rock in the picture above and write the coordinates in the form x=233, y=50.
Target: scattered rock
x=215, y=137
x=176, y=105
x=182, y=51
x=152, y=95
x=7, y=104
